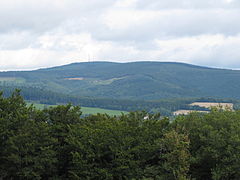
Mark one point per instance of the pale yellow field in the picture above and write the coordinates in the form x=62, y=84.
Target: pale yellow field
x=75, y=79
x=211, y=104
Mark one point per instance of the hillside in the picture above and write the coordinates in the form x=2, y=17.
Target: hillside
x=136, y=80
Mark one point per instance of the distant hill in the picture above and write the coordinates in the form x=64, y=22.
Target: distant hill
x=135, y=80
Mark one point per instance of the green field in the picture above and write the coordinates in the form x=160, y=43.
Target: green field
x=85, y=110
x=12, y=79
x=7, y=79
x=90, y=110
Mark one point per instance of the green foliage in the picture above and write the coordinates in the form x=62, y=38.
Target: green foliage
x=135, y=81
x=25, y=147
x=215, y=144
x=129, y=147
x=164, y=106
x=85, y=110
x=57, y=143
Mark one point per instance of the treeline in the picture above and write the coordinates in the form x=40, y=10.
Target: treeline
x=57, y=143
x=164, y=106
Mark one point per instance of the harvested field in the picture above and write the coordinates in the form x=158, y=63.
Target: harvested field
x=211, y=104
x=75, y=79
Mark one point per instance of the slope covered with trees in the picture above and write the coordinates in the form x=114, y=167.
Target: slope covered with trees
x=164, y=106
x=137, y=80
x=57, y=143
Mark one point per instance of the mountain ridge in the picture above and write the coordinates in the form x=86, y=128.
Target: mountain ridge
x=145, y=80
x=132, y=62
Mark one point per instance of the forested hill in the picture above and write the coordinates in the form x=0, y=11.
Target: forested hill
x=136, y=80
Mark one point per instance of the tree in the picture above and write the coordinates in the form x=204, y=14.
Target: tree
x=214, y=144
x=26, y=147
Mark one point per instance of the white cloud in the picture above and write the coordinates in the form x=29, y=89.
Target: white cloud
x=125, y=3
x=188, y=4
x=177, y=22
x=208, y=50
x=47, y=33
x=228, y=1
x=29, y=58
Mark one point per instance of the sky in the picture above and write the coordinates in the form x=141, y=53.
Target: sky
x=46, y=33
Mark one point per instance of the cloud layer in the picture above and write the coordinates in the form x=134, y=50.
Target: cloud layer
x=36, y=34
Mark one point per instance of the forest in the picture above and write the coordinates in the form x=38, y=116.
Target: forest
x=164, y=106
x=58, y=143
x=133, y=81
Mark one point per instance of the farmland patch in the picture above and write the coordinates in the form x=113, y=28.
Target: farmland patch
x=211, y=104
x=75, y=79
x=12, y=79
x=85, y=110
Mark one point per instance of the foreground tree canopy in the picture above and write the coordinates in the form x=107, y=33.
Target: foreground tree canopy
x=57, y=143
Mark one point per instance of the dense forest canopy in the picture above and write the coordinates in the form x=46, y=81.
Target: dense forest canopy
x=164, y=106
x=135, y=81
x=57, y=143
x=151, y=86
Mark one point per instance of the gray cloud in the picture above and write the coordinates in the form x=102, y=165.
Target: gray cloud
x=188, y=4
x=44, y=15
x=45, y=33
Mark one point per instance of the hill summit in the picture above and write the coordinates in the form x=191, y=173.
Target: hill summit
x=135, y=80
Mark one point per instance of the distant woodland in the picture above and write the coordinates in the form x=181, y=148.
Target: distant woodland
x=164, y=106
x=151, y=86
x=58, y=143
x=133, y=81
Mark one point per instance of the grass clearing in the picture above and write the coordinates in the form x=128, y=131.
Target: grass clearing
x=12, y=79
x=90, y=110
x=107, y=81
x=85, y=110
x=7, y=79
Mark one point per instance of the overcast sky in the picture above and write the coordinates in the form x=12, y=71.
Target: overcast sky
x=44, y=33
